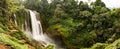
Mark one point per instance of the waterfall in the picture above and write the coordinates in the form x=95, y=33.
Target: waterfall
x=37, y=32
x=15, y=20
x=36, y=27
x=33, y=30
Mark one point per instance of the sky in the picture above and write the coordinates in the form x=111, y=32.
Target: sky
x=108, y=3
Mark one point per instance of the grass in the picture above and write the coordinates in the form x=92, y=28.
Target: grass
x=1, y=30
x=11, y=42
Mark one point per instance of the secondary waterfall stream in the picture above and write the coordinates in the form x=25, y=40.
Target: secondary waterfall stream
x=33, y=30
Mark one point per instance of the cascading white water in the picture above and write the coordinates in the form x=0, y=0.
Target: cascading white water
x=37, y=32
x=33, y=29
x=15, y=20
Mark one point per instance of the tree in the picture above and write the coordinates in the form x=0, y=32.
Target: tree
x=99, y=3
x=83, y=6
x=85, y=14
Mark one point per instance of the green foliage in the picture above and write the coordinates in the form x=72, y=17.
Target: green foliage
x=1, y=30
x=99, y=46
x=83, y=6
x=14, y=5
x=114, y=45
x=85, y=14
x=99, y=3
x=18, y=35
x=13, y=43
x=79, y=25
x=49, y=47
x=20, y=17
